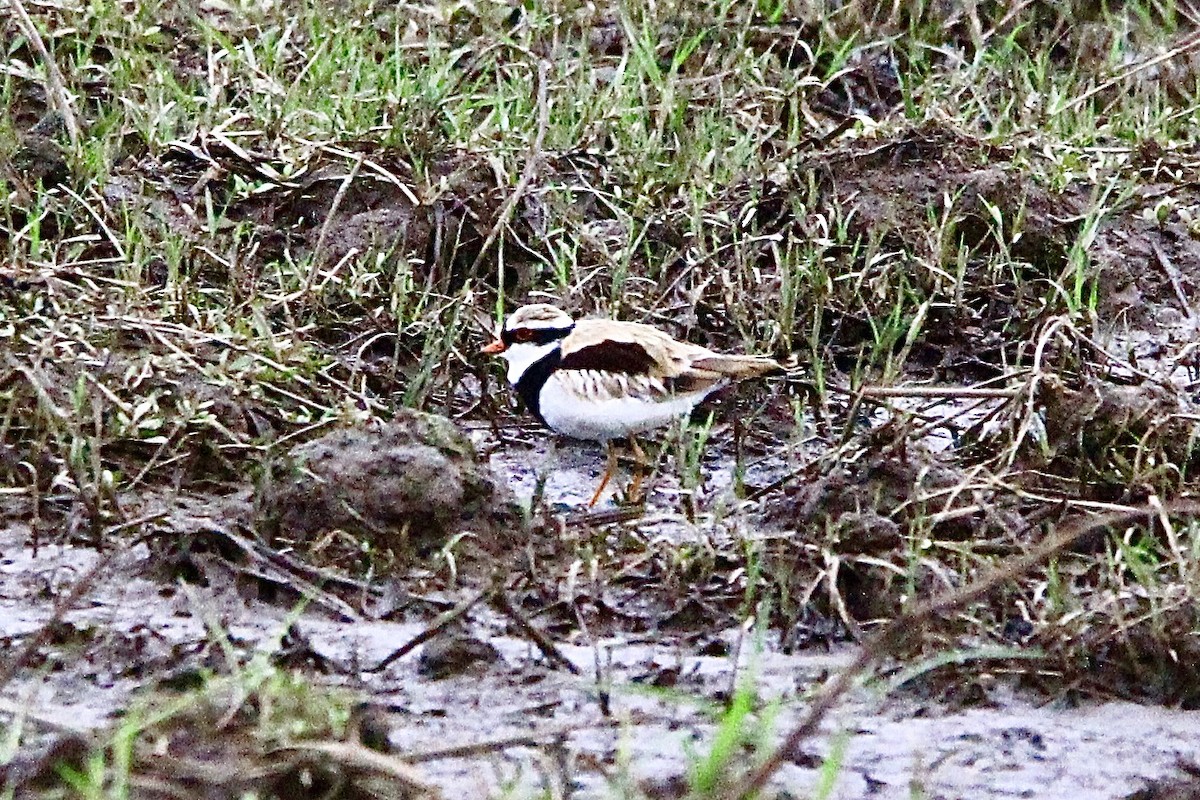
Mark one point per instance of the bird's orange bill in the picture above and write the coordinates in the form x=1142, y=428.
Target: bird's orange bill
x=497, y=346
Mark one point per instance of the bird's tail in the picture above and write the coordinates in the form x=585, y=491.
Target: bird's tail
x=739, y=367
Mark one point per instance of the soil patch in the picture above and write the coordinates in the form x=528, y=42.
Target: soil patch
x=1148, y=258
x=406, y=486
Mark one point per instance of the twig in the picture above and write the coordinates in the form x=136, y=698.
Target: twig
x=1173, y=277
x=376, y=168
x=46, y=403
x=1013, y=12
x=108, y=232
x=606, y=517
x=531, y=164
x=502, y=604
x=439, y=625
x=906, y=625
x=1050, y=330
x=492, y=745
x=939, y=392
x=603, y=696
x=269, y=566
x=355, y=758
x=338, y=197
x=57, y=90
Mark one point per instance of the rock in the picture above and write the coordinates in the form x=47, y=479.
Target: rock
x=407, y=485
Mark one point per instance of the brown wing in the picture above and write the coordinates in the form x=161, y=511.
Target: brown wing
x=611, y=356
x=630, y=348
x=627, y=347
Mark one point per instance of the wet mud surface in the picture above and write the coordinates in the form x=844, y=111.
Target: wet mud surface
x=639, y=723
x=660, y=702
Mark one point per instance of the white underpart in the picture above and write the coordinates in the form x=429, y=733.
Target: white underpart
x=523, y=355
x=601, y=418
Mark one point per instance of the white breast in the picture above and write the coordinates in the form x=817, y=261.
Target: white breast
x=582, y=405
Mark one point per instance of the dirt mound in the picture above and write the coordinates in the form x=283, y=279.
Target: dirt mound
x=930, y=214
x=1121, y=442
x=868, y=516
x=408, y=486
x=228, y=742
x=865, y=505
x=890, y=190
x=1148, y=258
x=383, y=207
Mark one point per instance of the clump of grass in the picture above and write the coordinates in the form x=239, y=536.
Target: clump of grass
x=227, y=735
x=259, y=729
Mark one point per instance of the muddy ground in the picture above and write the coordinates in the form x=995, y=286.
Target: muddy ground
x=245, y=432
x=632, y=709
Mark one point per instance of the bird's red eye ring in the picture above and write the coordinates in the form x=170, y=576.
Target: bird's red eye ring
x=523, y=335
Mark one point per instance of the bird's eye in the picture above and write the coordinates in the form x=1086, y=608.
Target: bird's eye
x=523, y=335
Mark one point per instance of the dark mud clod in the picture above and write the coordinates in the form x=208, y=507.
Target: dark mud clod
x=408, y=486
x=453, y=654
x=1117, y=440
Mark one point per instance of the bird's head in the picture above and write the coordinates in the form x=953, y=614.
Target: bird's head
x=528, y=335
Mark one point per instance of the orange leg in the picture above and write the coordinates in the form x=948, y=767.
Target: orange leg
x=608, y=473
x=634, y=493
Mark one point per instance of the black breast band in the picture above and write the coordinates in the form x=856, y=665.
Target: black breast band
x=534, y=378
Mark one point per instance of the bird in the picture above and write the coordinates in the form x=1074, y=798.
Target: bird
x=601, y=379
